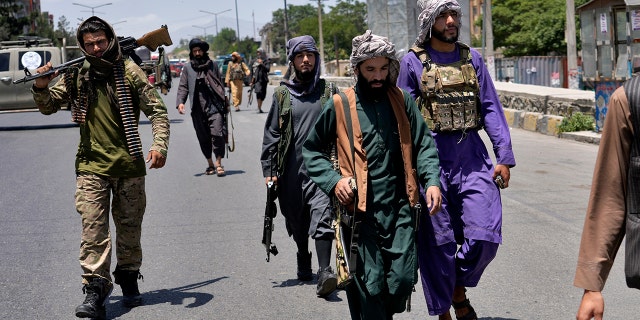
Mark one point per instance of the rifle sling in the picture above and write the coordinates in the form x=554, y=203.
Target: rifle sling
x=353, y=221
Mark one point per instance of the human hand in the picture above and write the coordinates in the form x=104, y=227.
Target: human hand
x=344, y=192
x=274, y=179
x=591, y=306
x=156, y=158
x=181, y=108
x=503, y=171
x=43, y=82
x=434, y=199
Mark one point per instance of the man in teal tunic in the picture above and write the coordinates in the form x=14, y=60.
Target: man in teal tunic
x=392, y=145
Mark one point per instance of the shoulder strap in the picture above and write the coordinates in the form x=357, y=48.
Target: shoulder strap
x=347, y=115
x=465, y=52
x=424, y=57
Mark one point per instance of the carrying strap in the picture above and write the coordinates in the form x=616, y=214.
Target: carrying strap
x=355, y=223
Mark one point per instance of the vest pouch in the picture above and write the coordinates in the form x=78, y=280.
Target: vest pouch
x=471, y=113
x=426, y=113
x=443, y=117
x=469, y=74
x=457, y=114
x=428, y=82
x=449, y=76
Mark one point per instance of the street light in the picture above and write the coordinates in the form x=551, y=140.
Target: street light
x=216, y=15
x=90, y=7
x=204, y=29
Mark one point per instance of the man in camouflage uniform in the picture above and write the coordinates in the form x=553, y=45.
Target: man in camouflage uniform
x=106, y=96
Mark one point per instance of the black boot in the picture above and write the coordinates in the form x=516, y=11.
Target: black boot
x=94, y=305
x=327, y=282
x=304, y=266
x=128, y=281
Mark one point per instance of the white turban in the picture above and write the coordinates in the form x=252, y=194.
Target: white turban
x=429, y=10
x=369, y=45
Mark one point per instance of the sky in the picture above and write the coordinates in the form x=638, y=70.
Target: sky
x=183, y=18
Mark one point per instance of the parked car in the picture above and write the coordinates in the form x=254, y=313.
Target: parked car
x=15, y=56
x=176, y=67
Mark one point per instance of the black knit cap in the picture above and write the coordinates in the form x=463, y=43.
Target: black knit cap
x=195, y=42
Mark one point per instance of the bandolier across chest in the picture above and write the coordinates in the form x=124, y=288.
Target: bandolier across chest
x=449, y=98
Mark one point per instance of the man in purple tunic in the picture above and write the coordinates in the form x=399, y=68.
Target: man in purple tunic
x=456, y=246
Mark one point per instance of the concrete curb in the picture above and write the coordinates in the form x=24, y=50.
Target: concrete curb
x=547, y=125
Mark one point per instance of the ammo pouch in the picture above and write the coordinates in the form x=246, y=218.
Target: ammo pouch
x=449, y=98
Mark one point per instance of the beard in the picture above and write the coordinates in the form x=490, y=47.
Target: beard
x=371, y=93
x=304, y=76
x=440, y=36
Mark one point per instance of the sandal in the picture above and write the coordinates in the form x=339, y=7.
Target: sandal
x=220, y=171
x=465, y=304
x=209, y=171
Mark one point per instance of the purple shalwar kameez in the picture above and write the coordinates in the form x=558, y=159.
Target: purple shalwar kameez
x=471, y=213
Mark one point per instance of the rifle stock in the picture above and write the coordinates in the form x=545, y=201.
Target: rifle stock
x=151, y=40
x=155, y=38
x=269, y=213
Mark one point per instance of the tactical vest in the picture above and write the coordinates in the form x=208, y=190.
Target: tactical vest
x=449, y=98
x=285, y=123
x=236, y=71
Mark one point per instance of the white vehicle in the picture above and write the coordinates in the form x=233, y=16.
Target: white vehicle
x=15, y=57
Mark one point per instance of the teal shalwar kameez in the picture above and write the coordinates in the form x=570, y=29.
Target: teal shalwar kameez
x=387, y=259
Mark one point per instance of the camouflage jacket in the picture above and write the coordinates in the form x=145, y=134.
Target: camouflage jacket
x=99, y=152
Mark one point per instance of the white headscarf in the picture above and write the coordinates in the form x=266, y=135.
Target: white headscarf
x=429, y=10
x=369, y=45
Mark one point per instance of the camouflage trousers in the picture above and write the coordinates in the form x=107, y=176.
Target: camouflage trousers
x=126, y=199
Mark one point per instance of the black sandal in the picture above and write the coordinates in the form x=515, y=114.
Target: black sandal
x=210, y=171
x=471, y=313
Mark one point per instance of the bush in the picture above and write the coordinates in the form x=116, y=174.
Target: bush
x=576, y=122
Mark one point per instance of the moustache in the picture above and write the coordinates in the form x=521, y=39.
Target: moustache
x=376, y=81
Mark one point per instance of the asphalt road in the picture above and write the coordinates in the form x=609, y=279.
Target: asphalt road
x=201, y=235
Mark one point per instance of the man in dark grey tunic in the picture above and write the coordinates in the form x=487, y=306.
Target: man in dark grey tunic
x=296, y=105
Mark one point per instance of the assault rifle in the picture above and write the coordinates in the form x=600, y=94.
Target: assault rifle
x=269, y=214
x=151, y=40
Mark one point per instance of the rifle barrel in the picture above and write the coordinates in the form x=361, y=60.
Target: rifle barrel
x=51, y=71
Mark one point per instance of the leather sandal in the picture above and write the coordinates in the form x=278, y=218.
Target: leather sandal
x=220, y=171
x=465, y=304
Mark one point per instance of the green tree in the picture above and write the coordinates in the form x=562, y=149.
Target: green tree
x=10, y=25
x=295, y=16
x=223, y=42
x=530, y=27
x=343, y=22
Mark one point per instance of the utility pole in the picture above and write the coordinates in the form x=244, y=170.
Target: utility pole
x=572, y=56
x=286, y=27
x=322, y=68
x=491, y=64
x=237, y=23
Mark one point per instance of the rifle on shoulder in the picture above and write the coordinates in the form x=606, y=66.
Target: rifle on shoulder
x=151, y=40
